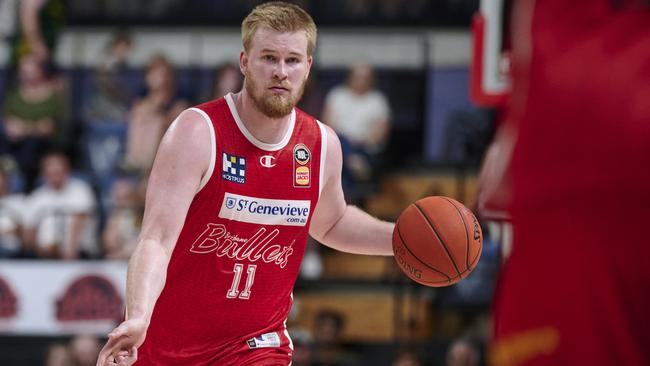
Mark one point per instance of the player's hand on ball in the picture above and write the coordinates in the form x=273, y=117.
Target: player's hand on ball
x=123, y=342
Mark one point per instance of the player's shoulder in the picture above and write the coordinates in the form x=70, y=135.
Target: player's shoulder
x=212, y=106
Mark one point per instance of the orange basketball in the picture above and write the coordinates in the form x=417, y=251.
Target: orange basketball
x=437, y=241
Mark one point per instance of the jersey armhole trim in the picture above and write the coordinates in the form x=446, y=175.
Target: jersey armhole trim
x=323, y=156
x=213, y=148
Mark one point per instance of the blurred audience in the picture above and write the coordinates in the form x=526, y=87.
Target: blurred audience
x=407, y=358
x=329, y=348
x=34, y=113
x=360, y=114
x=84, y=350
x=152, y=114
x=313, y=97
x=12, y=206
x=302, y=348
x=111, y=97
x=463, y=352
x=40, y=22
x=60, y=217
x=58, y=355
x=124, y=220
x=228, y=79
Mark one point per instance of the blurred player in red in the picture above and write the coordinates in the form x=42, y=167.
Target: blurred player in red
x=576, y=289
x=237, y=185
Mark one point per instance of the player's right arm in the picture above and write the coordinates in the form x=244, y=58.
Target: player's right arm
x=183, y=158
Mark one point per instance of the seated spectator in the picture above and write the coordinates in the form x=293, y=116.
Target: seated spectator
x=124, y=220
x=60, y=215
x=11, y=208
x=84, y=350
x=152, y=114
x=407, y=358
x=462, y=352
x=228, y=79
x=110, y=98
x=58, y=355
x=360, y=115
x=313, y=97
x=329, y=348
x=33, y=113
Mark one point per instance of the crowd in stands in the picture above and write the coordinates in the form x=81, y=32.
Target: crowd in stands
x=74, y=163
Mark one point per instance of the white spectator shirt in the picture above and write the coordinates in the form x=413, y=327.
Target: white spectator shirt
x=354, y=116
x=12, y=208
x=50, y=210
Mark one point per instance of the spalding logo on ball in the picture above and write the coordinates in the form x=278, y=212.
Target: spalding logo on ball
x=437, y=241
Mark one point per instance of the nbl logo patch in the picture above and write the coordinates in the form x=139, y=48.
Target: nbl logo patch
x=301, y=166
x=233, y=168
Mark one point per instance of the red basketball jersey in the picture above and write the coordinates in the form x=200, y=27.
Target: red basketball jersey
x=576, y=289
x=231, y=275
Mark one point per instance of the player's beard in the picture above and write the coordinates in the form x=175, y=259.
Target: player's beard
x=270, y=104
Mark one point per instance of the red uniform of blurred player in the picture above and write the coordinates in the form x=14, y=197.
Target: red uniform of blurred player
x=237, y=185
x=576, y=289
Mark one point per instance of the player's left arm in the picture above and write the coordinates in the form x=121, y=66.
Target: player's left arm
x=339, y=225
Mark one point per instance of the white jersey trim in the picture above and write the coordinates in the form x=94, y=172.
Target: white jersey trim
x=252, y=139
x=323, y=156
x=286, y=332
x=213, y=148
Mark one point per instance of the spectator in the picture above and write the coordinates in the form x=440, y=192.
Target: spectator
x=111, y=96
x=123, y=223
x=407, y=358
x=462, y=352
x=40, y=24
x=228, y=79
x=360, y=115
x=60, y=221
x=11, y=208
x=84, y=350
x=151, y=115
x=33, y=114
x=58, y=355
x=329, y=349
x=302, y=344
x=313, y=96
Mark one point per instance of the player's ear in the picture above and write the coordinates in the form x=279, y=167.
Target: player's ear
x=243, y=61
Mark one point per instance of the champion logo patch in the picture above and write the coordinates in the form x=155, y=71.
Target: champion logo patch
x=267, y=161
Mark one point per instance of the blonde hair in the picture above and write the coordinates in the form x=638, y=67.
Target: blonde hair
x=281, y=17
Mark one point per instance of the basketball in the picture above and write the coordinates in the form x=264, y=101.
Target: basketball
x=437, y=241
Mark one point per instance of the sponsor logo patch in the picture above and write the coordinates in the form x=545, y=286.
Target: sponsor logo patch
x=265, y=211
x=302, y=176
x=233, y=168
x=301, y=166
x=266, y=340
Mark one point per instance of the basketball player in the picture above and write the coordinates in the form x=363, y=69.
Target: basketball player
x=237, y=185
x=576, y=289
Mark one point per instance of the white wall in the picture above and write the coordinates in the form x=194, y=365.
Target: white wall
x=210, y=47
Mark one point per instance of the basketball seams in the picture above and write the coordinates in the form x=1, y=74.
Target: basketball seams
x=466, y=232
x=433, y=228
x=399, y=234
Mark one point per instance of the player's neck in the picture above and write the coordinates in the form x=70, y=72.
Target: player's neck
x=264, y=128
